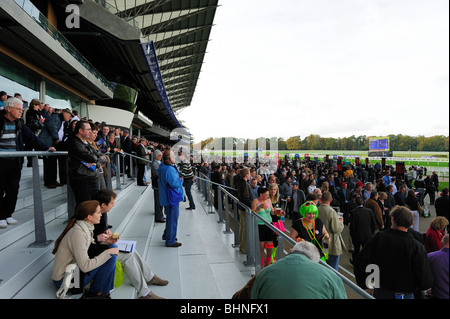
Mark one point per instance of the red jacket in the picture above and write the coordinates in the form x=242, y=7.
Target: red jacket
x=433, y=240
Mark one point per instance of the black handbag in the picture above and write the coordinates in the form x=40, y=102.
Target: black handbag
x=35, y=125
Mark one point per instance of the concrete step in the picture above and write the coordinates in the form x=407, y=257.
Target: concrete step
x=54, y=203
x=54, y=208
x=206, y=266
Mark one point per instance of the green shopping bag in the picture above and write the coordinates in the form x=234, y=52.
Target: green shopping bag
x=118, y=275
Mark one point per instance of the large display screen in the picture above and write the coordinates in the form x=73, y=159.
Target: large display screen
x=379, y=144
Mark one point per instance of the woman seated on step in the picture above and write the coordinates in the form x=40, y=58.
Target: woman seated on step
x=72, y=258
x=134, y=266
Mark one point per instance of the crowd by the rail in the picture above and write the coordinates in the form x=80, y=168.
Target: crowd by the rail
x=381, y=208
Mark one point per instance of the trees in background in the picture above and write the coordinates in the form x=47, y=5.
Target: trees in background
x=437, y=143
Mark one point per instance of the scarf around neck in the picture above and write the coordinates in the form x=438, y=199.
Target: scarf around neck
x=88, y=230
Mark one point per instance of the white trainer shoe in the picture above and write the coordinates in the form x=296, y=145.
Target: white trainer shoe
x=11, y=221
x=3, y=223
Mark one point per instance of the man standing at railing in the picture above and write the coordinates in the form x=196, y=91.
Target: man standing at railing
x=141, y=151
x=13, y=134
x=54, y=133
x=216, y=179
x=127, y=148
x=83, y=164
x=245, y=196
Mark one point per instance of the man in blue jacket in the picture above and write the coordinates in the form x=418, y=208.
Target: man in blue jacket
x=169, y=177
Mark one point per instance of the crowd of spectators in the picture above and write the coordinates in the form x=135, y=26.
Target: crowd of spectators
x=364, y=196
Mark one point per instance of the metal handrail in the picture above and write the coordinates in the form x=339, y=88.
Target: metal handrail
x=253, y=239
x=39, y=220
x=30, y=153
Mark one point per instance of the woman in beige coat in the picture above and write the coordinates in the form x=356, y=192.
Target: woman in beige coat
x=71, y=255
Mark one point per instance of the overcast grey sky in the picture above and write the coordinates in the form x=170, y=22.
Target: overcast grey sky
x=330, y=67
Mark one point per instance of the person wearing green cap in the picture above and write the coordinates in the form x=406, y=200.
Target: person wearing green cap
x=310, y=227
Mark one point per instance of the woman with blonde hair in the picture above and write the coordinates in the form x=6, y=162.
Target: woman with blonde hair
x=71, y=254
x=435, y=233
x=274, y=194
x=325, y=187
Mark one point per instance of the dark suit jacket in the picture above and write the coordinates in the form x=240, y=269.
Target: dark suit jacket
x=244, y=193
x=141, y=152
x=126, y=145
x=442, y=206
x=362, y=224
x=343, y=197
x=390, y=201
x=301, y=198
x=399, y=200
x=402, y=262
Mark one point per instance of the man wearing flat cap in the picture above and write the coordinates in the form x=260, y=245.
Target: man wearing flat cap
x=55, y=133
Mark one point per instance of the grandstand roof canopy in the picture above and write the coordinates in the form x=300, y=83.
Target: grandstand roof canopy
x=180, y=31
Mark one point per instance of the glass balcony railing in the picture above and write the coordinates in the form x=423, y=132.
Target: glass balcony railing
x=34, y=13
x=114, y=10
x=126, y=94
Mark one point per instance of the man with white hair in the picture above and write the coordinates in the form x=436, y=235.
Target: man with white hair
x=13, y=135
x=298, y=276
